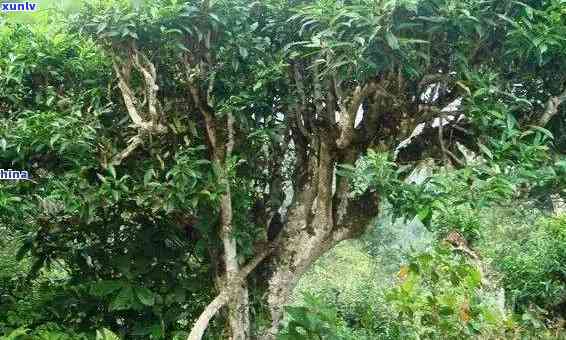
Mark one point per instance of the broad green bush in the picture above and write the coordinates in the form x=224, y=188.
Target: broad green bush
x=136, y=246
x=345, y=279
x=42, y=70
x=438, y=297
x=315, y=320
x=533, y=267
x=436, y=294
x=462, y=219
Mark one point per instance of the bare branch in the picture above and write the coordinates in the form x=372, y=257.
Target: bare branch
x=299, y=84
x=299, y=116
x=352, y=214
x=202, y=322
x=227, y=292
x=445, y=151
x=237, y=296
x=318, y=97
x=230, y=127
x=130, y=101
x=441, y=137
x=127, y=93
x=204, y=109
x=135, y=142
x=430, y=79
x=551, y=108
x=331, y=101
x=150, y=77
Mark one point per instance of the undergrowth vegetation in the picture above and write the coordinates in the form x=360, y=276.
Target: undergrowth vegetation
x=414, y=287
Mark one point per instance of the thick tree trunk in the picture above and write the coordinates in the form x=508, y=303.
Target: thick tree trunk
x=238, y=315
x=317, y=220
x=226, y=292
x=323, y=211
x=299, y=250
x=221, y=145
x=312, y=229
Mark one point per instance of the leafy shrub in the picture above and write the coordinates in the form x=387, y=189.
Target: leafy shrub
x=33, y=76
x=344, y=279
x=434, y=293
x=462, y=219
x=438, y=297
x=53, y=333
x=534, y=266
x=316, y=320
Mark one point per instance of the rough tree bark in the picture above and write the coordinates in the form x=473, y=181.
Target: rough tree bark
x=146, y=115
x=551, y=108
x=316, y=222
x=221, y=145
x=225, y=294
x=323, y=211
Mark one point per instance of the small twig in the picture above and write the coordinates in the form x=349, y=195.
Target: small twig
x=445, y=151
x=461, y=129
x=441, y=138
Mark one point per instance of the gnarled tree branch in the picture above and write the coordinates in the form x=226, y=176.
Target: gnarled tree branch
x=123, y=74
x=227, y=293
x=348, y=116
x=551, y=108
x=153, y=125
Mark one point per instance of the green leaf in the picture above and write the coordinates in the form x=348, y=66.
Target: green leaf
x=112, y=171
x=16, y=334
x=435, y=19
x=475, y=277
x=414, y=41
x=101, y=27
x=485, y=150
x=543, y=131
x=194, y=202
x=104, y=288
x=149, y=174
x=425, y=215
x=123, y=300
x=146, y=296
x=54, y=139
x=392, y=40
x=24, y=249
x=156, y=332
x=106, y=334
x=214, y=16
x=182, y=47
x=510, y=21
